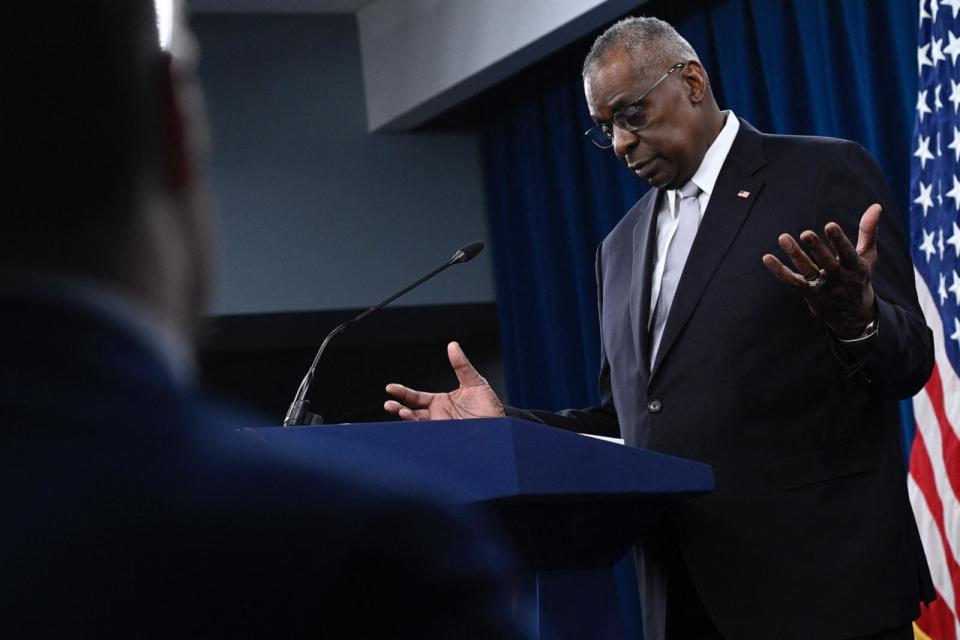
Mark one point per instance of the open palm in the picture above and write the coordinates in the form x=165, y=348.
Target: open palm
x=473, y=399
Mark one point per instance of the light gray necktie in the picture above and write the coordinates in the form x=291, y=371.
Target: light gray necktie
x=677, y=252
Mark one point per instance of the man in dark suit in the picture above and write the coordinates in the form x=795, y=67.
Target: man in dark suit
x=132, y=505
x=785, y=380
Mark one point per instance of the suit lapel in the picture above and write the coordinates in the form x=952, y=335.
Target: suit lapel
x=721, y=223
x=644, y=239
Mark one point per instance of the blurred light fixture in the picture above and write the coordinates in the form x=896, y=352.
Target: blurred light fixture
x=165, y=22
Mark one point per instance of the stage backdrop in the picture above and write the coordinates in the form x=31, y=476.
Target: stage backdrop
x=843, y=68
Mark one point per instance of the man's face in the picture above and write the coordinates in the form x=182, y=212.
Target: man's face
x=668, y=149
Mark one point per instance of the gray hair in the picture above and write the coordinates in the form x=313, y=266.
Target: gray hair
x=650, y=41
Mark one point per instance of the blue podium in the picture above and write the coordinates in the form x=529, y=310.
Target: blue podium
x=571, y=504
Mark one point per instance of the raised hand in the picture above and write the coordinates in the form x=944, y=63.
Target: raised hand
x=835, y=278
x=473, y=399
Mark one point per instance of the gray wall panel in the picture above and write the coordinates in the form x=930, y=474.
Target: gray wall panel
x=317, y=213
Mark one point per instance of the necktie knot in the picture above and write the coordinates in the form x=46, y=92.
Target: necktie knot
x=689, y=190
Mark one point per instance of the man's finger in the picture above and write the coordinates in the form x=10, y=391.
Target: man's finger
x=392, y=406
x=822, y=254
x=782, y=273
x=869, y=223
x=801, y=261
x=409, y=397
x=409, y=415
x=466, y=374
x=845, y=251
x=406, y=414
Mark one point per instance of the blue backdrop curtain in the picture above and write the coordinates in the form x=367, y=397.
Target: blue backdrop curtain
x=844, y=68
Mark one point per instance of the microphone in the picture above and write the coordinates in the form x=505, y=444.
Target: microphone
x=298, y=414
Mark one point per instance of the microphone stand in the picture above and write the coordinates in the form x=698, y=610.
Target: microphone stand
x=298, y=413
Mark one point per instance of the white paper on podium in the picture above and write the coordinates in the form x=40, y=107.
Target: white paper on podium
x=608, y=439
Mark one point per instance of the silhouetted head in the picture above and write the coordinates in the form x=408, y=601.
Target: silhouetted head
x=103, y=140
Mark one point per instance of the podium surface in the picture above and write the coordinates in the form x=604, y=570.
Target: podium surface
x=565, y=499
x=571, y=504
x=489, y=459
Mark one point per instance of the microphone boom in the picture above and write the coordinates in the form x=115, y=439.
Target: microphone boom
x=297, y=413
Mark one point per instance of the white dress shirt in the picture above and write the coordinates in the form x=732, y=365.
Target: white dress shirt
x=668, y=214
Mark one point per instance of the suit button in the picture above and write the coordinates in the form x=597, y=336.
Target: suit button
x=654, y=406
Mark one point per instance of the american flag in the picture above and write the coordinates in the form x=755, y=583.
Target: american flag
x=934, y=479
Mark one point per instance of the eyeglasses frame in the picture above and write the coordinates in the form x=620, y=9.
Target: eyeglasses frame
x=613, y=121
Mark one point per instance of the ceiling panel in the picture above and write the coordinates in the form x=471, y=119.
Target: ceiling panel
x=276, y=6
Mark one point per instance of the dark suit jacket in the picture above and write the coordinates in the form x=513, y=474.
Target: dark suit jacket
x=131, y=507
x=809, y=533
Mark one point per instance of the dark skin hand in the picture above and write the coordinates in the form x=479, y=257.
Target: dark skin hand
x=474, y=398
x=846, y=302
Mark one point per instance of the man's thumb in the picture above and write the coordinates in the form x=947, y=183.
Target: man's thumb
x=466, y=374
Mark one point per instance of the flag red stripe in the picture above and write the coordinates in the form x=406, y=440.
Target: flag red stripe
x=936, y=620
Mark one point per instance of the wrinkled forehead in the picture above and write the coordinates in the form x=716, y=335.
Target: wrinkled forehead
x=615, y=81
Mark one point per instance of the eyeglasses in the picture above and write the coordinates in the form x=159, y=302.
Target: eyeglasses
x=630, y=118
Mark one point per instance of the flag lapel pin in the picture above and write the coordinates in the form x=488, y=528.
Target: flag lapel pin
x=744, y=194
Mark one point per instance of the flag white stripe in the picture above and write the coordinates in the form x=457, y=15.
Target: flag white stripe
x=933, y=546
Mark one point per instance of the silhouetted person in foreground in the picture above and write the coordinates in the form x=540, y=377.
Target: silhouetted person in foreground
x=131, y=506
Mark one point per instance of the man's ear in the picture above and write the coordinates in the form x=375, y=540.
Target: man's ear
x=695, y=77
x=174, y=142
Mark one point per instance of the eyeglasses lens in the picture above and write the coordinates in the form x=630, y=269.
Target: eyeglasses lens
x=600, y=137
x=631, y=118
